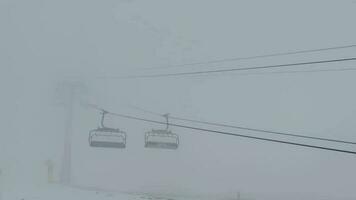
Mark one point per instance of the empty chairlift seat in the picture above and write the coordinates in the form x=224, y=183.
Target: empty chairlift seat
x=161, y=139
x=107, y=138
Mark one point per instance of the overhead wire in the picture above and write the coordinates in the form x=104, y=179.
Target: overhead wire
x=229, y=133
x=344, y=69
x=254, y=57
x=248, y=128
x=233, y=69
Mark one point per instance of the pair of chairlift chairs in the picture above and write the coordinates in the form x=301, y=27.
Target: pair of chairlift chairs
x=105, y=137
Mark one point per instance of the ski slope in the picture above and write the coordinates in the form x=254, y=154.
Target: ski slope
x=60, y=192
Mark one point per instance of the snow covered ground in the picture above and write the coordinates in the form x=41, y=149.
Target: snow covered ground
x=59, y=192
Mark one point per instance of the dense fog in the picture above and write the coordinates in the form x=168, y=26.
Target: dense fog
x=59, y=57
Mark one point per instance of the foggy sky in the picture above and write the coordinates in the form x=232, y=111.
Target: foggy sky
x=46, y=42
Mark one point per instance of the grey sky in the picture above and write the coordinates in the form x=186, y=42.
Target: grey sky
x=45, y=42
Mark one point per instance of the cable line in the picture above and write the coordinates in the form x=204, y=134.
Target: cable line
x=301, y=71
x=344, y=69
x=249, y=129
x=233, y=69
x=234, y=134
x=254, y=57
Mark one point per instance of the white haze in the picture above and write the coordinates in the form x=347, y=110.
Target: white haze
x=44, y=43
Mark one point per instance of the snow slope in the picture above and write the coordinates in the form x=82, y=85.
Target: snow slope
x=60, y=192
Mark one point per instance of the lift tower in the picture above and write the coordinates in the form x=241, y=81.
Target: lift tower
x=67, y=94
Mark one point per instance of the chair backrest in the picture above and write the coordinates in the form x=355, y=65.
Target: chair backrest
x=107, y=138
x=162, y=139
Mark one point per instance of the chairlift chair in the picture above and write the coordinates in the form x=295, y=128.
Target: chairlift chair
x=105, y=137
x=162, y=138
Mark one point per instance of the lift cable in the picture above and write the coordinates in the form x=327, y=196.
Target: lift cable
x=249, y=129
x=234, y=134
x=231, y=69
x=343, y=69
x=253, y=57
x=228, y=133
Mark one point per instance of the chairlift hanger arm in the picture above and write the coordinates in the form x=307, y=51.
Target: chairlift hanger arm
x=167, y=120
x=104, y=112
